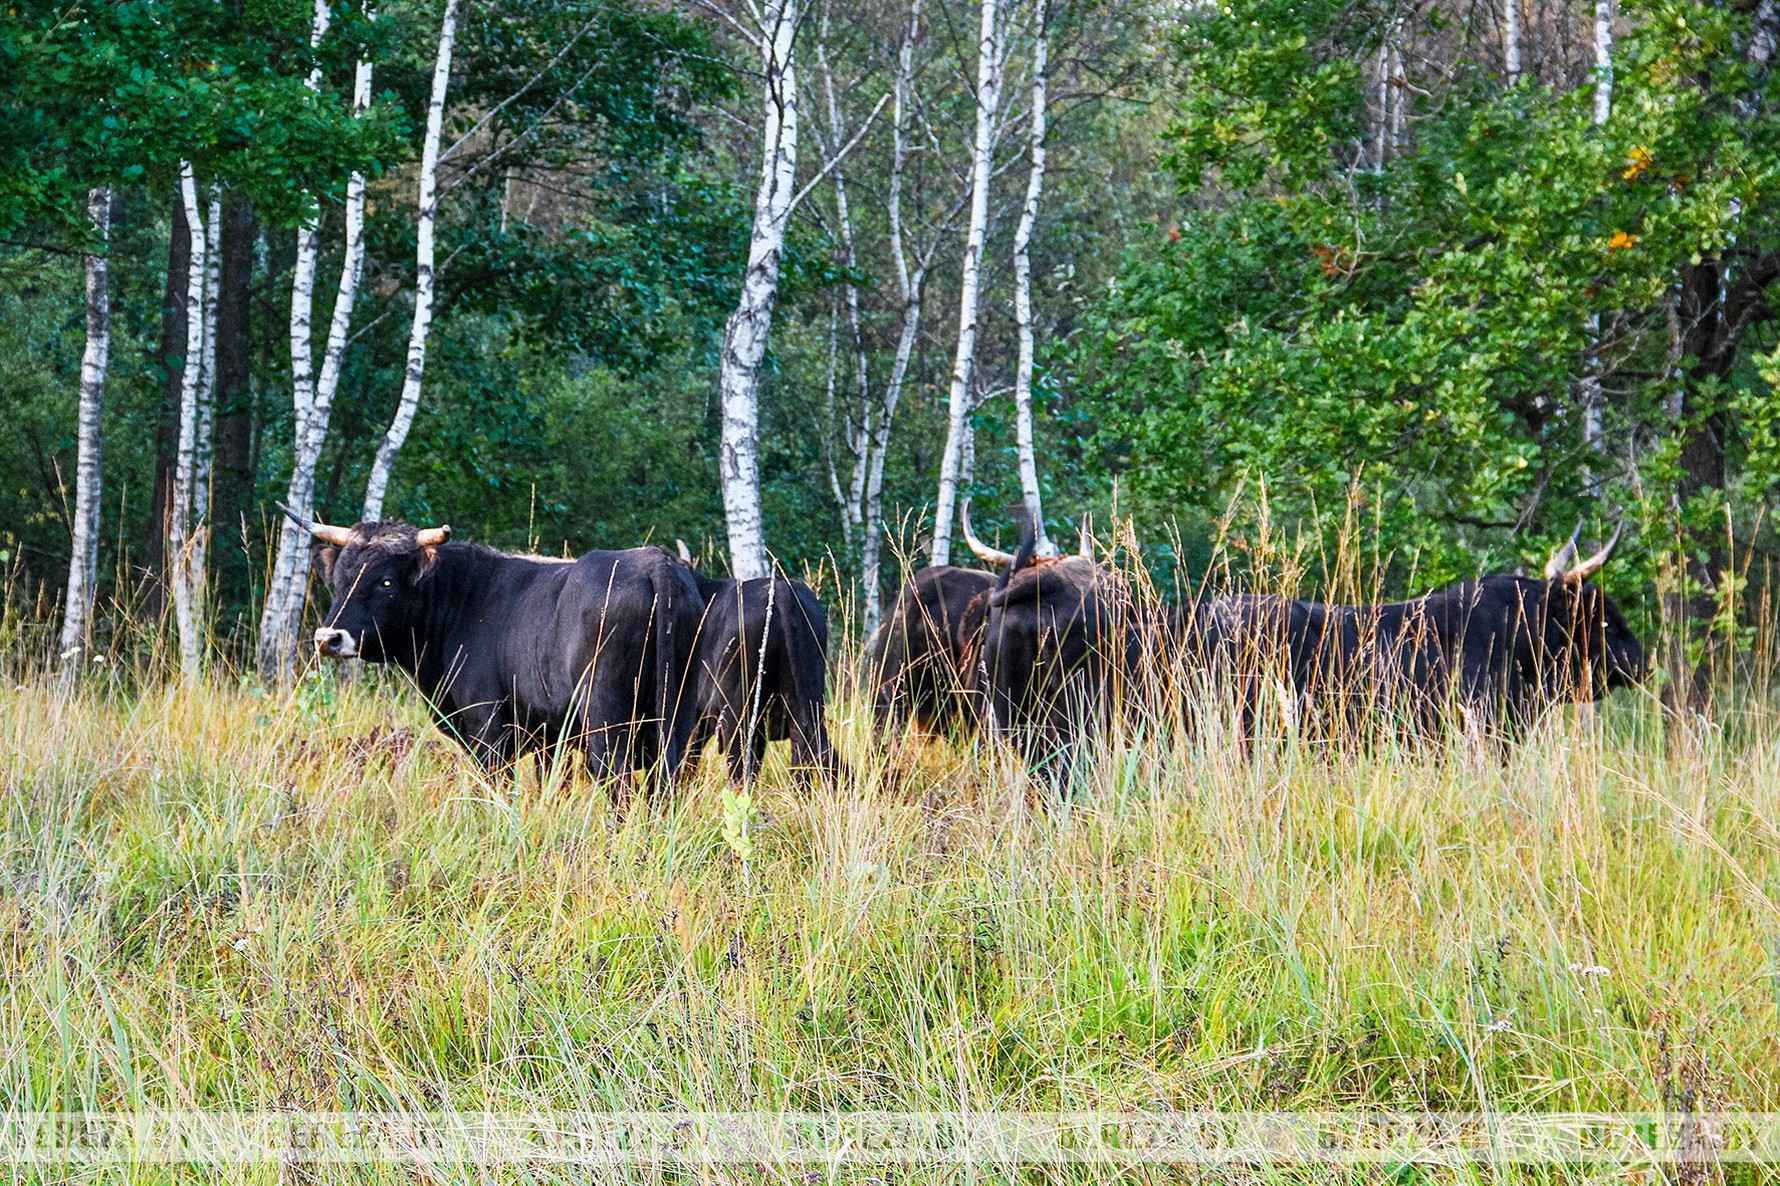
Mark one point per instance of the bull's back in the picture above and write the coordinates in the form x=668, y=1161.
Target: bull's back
x=617, y=606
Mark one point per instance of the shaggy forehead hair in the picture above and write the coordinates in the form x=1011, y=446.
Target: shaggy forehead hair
x=372, y=542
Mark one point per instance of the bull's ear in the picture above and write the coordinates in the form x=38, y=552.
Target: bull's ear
x=424, y=560
x=324, y=559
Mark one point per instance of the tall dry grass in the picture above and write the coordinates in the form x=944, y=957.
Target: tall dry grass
x=223, y=898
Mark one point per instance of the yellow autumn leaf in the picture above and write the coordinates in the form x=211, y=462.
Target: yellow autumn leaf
x=1637, y=161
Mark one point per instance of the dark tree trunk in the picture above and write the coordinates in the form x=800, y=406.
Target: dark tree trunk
x=232, y=466
x=169, y=357
x=1718, y=302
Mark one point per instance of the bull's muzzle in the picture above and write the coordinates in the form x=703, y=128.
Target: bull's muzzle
x=335, y=644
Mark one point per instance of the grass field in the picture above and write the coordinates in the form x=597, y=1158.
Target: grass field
x=216, y=899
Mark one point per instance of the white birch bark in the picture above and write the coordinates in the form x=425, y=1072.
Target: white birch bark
x=910, y=284
x=1035, y=180
x=1384, y=107
x=1511, y=41
x=1604, y=12
x=1593, y=427
x=1399, y=91
x=378, y=483
x=186, y=612
x=83, y=562
x=281, y=617
x=862, y=412
x=745, y=333
x=958, y=405
x=302, y=289
x=284, y=590
x=203, y=444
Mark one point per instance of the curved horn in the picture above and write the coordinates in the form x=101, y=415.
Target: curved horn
x=984, y=552
x=1086, y=550
x=685, y=552
x=1598, y=561
x=432, y=537
x=1560, y=559
x=338, y=536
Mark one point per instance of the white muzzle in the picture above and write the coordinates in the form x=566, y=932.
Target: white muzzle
x=335, y=644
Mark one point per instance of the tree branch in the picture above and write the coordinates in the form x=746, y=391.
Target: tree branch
x=797, y=199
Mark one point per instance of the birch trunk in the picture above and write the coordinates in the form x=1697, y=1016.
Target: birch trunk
x=280, y=615
x=1604, y=12
x=202, y=447
x=745, y=334
x=1593, y=429
x=186, y=611
x=1035, y=180
x=958, y=405
x=83, y=563
x=302, y=287
x=863, y=413
x=378, y=483
x=281, y=618
x=1511, y=41
x=910, y=282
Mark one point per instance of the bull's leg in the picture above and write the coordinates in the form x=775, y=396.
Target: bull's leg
x=812, y=751
x=607, y=727
x=743, y=748
x=483, y=730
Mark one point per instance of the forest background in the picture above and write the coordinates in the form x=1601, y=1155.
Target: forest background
x=1459, y=274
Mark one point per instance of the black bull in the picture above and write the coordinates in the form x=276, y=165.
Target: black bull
x=517, y=654
x=759, y=672
x=1064, y=649
x=918, y=660
x=1057, y=648
x=1499, y=652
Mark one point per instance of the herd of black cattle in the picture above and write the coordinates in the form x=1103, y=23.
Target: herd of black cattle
x=637, y=659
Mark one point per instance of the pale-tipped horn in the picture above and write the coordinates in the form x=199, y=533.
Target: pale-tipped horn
x=1086, y=549
x=338, y=536
x=432, y=537
x=685, y=552
x=1598, y=561
x=984, y=552
x=1560, y=559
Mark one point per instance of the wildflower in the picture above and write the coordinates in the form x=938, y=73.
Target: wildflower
x=1622, y=241
x=1637, y=161
x=1589, y=971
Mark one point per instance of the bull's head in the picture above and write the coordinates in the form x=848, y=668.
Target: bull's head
x=1587, y=639
x=375, y=570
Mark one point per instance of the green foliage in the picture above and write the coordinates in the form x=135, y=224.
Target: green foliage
x=121, y=93
x=1419, y=330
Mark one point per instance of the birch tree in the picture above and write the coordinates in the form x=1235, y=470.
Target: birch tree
x=861, y=415
x=1604, y=13
x=1511, y=41
x=377, y=486
x=1590, y=386
x=281, y=618
x=1035, y=180
x=745, y=333
x=911, y=279
x=186, y=612
x=83, y=562
x=205, y=432
x=988, y=104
